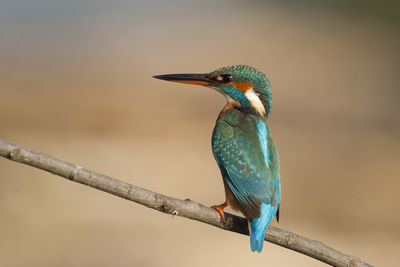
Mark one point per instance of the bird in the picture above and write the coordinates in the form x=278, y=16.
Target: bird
x=242, y=145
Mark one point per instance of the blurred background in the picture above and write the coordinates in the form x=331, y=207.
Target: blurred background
x=75, y=82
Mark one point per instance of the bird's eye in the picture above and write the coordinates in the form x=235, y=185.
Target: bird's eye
x=226, y=78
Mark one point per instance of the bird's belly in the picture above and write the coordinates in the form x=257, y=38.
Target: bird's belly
x=230, y=198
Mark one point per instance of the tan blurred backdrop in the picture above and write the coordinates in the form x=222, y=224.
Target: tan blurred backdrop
x=75, y=82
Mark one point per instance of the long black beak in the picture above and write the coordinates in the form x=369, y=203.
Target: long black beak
x=198, y=79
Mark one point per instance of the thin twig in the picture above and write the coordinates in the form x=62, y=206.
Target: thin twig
x=166, y=204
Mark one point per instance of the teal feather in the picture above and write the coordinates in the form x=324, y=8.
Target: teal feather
x=248, y=159
x=259, y=226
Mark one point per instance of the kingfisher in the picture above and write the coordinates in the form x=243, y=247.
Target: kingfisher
x=242, y=145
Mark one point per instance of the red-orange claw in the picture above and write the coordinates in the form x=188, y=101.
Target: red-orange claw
x=220, y=209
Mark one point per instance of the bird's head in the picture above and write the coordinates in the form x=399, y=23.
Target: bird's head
x=243, y=86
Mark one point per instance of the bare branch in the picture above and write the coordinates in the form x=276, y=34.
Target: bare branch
x=166, y=204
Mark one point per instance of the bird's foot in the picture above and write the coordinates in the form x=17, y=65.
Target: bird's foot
x=220, y=209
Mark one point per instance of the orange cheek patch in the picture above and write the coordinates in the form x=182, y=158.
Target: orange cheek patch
x=191, y=82
x=242, y=86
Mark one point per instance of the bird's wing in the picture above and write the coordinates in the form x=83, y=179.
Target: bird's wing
x=241, y=151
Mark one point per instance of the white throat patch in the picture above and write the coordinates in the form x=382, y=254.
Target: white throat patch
x=255, y=101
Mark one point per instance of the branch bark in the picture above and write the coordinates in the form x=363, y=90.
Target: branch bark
x=170, y=205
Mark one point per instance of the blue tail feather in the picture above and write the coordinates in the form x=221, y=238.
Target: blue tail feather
x=259, y=226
